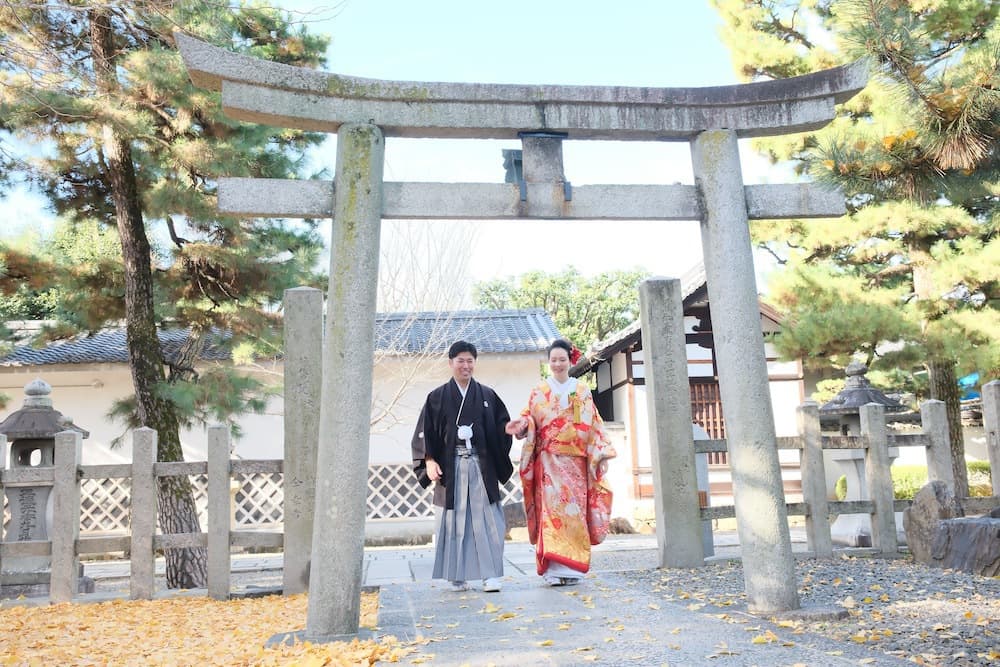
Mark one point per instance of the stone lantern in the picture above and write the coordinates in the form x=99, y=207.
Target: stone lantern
x=31, y=433
x=843, y=412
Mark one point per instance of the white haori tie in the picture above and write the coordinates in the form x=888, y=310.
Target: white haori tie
x=562, y=390
x=464, y=432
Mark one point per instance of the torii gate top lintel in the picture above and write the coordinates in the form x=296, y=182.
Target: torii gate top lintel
x=275, y=94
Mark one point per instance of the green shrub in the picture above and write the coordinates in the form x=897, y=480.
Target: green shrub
x=978, y=467
x=840, y=489
x=980, y=484
x=907, y=480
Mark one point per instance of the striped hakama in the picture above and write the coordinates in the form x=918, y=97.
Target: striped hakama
x=469, y=544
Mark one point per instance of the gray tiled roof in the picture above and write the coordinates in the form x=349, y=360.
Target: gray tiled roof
x=106, y=347
x=492, y=331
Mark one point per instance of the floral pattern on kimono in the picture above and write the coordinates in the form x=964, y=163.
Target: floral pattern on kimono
x=567, y=500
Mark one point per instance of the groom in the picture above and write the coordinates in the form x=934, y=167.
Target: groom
x=460, y=443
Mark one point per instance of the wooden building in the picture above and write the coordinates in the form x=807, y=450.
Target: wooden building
x=618, y=365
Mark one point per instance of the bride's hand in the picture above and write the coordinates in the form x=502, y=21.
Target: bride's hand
x=517, y=428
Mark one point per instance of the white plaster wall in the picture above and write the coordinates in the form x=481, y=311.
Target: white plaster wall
x=86, y=393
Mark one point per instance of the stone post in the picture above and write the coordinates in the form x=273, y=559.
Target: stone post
x=142, y=515
x=218, y=511
x=344, y=429
x=668, y=401
x=542, y=157
x=934, y=421
x=877, y=465
x=991, y=426
x=814, y=481
x=303, y=308
x=65, y=516
x=761, y=515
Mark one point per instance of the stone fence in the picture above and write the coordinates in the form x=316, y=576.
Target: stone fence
x=875, y=441
x=66, y=545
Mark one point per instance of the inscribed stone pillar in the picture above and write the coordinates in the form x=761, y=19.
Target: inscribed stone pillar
x=303, y=308
x=761, y=516
x=668, y=404
x=344, y=429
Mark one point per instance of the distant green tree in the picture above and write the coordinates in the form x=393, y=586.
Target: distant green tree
x=585, y=309
x=122, y=143
x=911, y=278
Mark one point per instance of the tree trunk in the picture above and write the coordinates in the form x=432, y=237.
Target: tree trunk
x=186, y=568
x=944, y=387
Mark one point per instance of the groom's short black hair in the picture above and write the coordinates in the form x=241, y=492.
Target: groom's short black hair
x=460, y=346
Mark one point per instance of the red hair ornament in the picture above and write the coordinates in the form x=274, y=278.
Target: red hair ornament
x=574, y=355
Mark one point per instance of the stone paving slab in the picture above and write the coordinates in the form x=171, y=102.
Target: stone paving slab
x=604, y=620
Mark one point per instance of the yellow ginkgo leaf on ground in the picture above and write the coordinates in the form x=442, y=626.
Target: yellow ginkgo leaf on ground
x=490, y=608
x=546, y=642
x=564, y=626
x=188, y=630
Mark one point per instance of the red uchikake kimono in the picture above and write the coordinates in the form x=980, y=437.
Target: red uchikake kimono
x=563, y=461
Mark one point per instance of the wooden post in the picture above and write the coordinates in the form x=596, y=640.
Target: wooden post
x=884, y=537
x=934, y=420
x=65, y=516
x=219, y=511
x=814, y=481
x=142, y=516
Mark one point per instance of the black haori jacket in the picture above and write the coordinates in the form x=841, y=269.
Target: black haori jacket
x=436, y=437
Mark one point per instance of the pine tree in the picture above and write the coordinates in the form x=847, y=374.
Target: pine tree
x=123, y=141
x=911, y=278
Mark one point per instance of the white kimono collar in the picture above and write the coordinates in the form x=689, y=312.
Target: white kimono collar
x=562, y=389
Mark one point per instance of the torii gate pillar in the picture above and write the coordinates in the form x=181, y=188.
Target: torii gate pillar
x=761, y=515
x=344, y=424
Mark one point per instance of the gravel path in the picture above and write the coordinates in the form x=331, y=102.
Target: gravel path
x=898, y=607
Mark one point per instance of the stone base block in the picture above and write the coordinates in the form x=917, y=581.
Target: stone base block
x=968, y=544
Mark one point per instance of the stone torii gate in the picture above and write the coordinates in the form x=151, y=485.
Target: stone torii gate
x=364, y=111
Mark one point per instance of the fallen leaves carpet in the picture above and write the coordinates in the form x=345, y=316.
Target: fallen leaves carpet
x=179, y=631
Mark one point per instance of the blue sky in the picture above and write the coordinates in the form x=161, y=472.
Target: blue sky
x=633, y=43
